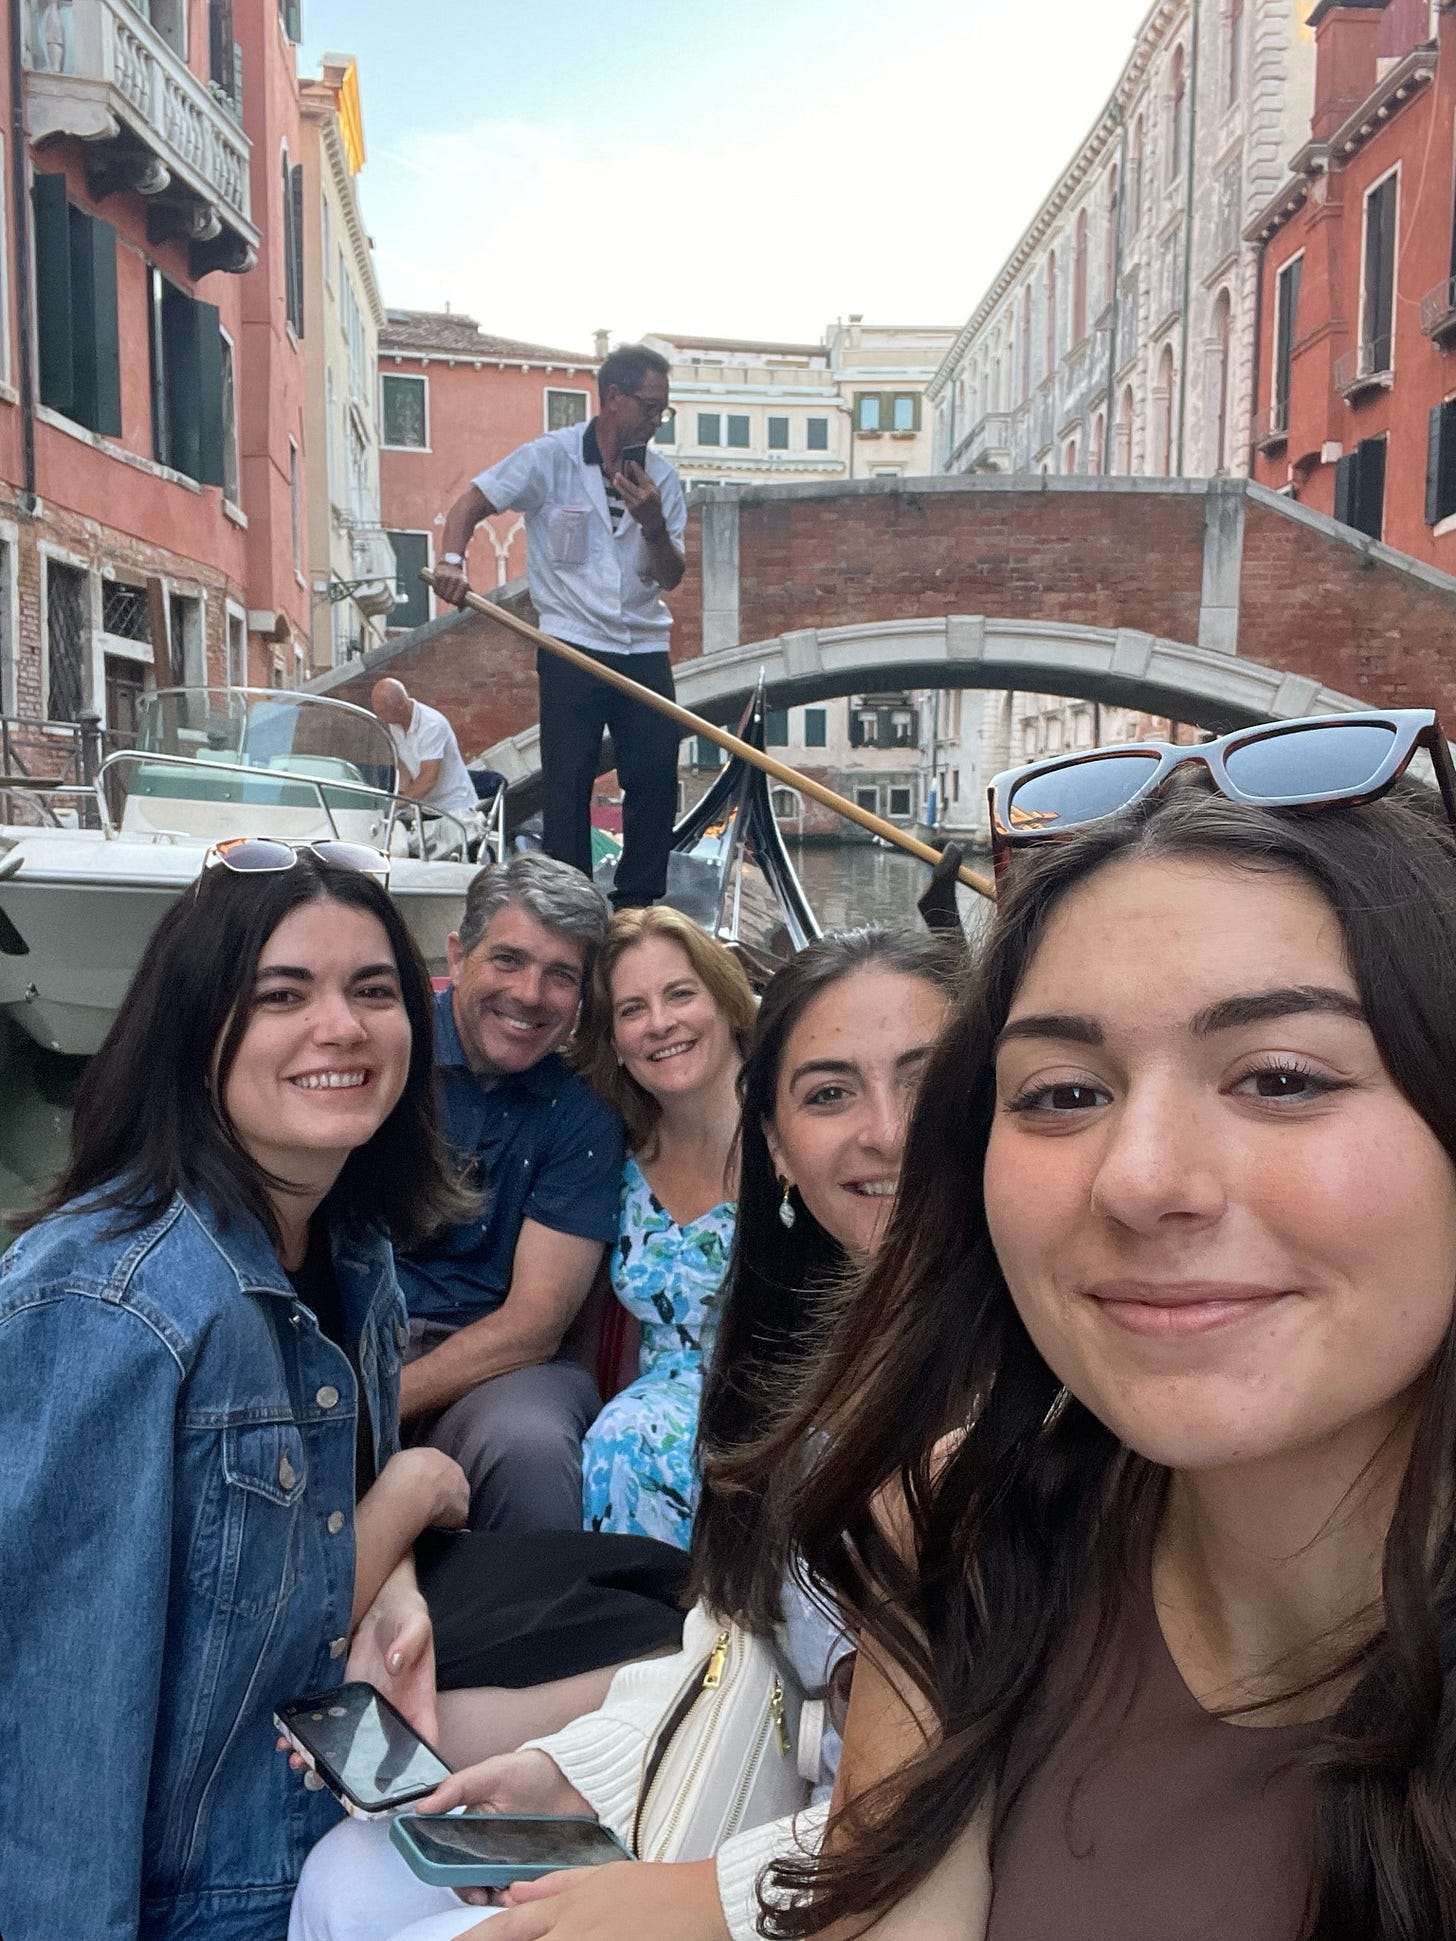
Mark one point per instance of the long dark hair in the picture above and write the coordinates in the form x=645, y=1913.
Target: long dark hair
x=778, y=1282
x=148, y=1120
x=1021, y=1524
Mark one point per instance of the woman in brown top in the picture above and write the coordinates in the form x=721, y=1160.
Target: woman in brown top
x=1158, y=1643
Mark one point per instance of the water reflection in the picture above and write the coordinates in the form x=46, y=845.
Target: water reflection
x=853, y=883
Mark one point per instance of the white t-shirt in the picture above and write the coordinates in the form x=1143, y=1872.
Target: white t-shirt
x=591, y=584
x=430, y=738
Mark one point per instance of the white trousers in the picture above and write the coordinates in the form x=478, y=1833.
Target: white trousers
x=356, y=1886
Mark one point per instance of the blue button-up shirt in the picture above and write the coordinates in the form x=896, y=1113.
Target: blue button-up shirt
x=176, y=1558
x=544, y=1148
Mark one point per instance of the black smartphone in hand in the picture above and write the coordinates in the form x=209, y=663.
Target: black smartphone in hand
x=633, y=455
x=368, y=1755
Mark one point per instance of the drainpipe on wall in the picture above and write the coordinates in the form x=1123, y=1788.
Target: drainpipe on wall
x=20, y=202
x=1188, y=233
x=1114, y=321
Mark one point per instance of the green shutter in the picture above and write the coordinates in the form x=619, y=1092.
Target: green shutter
x=296, y=191
x=1435, y=437
x=54, y=322
x=212, y=433
x=97, y=343
x=192, y=341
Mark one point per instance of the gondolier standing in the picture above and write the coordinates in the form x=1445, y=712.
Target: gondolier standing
x=605, y=518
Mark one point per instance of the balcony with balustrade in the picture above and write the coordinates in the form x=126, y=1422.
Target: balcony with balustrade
x=1438, y=313
x=986, y=447
x=111, y=74
x=1365, y=369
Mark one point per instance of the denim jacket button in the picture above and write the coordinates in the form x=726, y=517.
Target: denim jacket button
x=287, y=1474
x=327, y=1397
x=336, y=1522
x=338, y=1647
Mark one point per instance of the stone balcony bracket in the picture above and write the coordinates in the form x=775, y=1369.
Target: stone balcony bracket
x=97, y=72
x=1438, y=314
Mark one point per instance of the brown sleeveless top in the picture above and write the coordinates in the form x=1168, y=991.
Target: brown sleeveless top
x=1150, y=1819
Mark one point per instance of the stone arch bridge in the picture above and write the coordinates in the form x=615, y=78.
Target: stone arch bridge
x=1214, y=601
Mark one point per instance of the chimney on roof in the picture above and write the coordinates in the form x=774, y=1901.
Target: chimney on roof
x=1346, y=36
x=603, y=341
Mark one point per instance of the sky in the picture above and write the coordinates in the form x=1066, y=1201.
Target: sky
x=733, y=167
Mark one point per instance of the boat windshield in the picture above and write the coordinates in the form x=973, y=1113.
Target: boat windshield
x=291, y=734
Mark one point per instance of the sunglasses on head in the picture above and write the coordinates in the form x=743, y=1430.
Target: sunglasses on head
x=1320, y=762
x=267, y=855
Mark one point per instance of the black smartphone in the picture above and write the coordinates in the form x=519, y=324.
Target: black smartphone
x=368, y=1755
x=496, y=1849
x=633, y=455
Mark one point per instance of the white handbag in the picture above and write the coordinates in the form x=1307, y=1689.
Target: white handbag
x=725, y=1756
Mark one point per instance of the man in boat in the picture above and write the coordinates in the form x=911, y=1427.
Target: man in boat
x=605, y=518
x=490, y=1302
x=431, y=768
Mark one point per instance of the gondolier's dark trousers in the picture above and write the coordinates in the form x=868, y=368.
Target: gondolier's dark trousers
x=575, y=709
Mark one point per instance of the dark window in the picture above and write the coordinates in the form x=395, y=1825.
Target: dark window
x=816, y=434
x=778, y=434
x=1441, y=463
x=225, y=56
x=231, y=477
x=1360, y=487
x=411, y=557
x=776, y=728
x=815, y=725
x=900, y=803
x=737, y=432
x=1286, y=325
x=293, y=245
x=75, y=280
x=67, y=646
x=868, y=799
x=706, y=754
x=187, y=383
x=125, y=686
x=565, y=408
x=666, y=432
x=290, y=12
x=402, y=407
x=124, y=611
x=710, y=428
x=1378, y=309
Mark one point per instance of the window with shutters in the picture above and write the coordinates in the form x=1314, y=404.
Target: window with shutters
x=816, y=728
x=225, y=56
x=75, y=281
x=776, y=728
x=778, y=434
x=404, y=406
x=1377, y=278
x=710, y=428
x=816, y=434
x=1360, y=488
x=706, y=754
x=1286, y=326
x=737, y=431
x=292, y=237
x=411, y=557
x=188, y=395
x=1441, y=463
x=867, y=412
x=290, y=14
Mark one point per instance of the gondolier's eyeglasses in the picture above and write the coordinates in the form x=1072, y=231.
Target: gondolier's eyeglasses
x=660, y=414
x=1323, y=761
x=267, y=855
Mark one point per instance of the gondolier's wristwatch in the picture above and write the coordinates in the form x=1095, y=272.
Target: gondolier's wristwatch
x=452, y=559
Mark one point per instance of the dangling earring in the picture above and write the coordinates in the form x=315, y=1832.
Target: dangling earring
x=786, y=1207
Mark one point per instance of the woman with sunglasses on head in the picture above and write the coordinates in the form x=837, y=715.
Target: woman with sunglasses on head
x=200, y=1334
x=666, y=1020
x=841, y=1037
x=1159, y=1647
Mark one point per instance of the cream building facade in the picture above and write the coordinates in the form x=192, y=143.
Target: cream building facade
x=850, y=406
x=351, y=562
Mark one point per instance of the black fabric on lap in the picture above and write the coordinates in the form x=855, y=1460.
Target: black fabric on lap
x=518, y=1610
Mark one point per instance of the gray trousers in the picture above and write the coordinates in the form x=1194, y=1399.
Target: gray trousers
x=517, y=1437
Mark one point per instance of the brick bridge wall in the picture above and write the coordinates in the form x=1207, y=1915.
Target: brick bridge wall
x=1221, y=564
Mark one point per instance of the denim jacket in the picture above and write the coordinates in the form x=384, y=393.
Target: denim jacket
x=177, y=1461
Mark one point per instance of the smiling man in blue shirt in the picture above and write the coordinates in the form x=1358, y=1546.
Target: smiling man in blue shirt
x=491, y=1301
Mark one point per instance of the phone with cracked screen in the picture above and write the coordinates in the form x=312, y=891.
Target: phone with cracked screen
x=368, y=1755
x=495, y=1849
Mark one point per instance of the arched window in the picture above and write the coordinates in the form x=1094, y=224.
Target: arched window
x=1135, y=175
x=1109, y=269
x=1099, y=445
x=1051, y=313
x=1177, y=114
x=1026, y=343
x=1079, y=280
x=1163, y=416
x=1235, y=72
x=1122, y=434
x=1219, y=380
x=1069, y=456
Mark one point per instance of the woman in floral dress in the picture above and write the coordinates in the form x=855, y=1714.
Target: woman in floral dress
x=662, y=1038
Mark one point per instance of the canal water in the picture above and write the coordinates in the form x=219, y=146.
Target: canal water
x=847, y=884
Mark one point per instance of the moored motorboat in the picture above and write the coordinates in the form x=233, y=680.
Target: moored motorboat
x=78, y=903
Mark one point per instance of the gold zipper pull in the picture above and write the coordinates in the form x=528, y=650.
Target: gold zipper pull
x=713, y=1676
x=776, y=1713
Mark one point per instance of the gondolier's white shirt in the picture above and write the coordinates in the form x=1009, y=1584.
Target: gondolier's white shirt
x=590, y=586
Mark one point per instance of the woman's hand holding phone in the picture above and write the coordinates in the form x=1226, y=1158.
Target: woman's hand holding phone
x=512, y=1782
x=394, y=1651
x=674, y=1900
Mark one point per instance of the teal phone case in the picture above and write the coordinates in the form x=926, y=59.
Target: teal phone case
x=480, y=1873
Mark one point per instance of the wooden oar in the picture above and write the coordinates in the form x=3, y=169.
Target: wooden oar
x=685, y=718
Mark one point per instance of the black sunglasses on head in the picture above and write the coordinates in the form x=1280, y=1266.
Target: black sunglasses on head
x=1319, y=762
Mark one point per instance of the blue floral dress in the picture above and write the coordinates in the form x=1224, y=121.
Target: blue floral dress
x=638, y=1473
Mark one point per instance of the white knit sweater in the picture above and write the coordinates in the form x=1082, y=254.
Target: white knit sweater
x=604, y=1755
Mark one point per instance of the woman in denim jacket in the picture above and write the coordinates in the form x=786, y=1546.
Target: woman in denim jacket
x=200, y=1335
